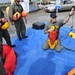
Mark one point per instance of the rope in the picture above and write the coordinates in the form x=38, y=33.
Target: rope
x=70, y=31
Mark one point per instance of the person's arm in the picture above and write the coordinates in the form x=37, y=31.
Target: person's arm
x=47, y=29
x=68, y=17
x=10, y=13
x=2, y=14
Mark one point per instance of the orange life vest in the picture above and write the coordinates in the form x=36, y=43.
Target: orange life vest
x=72, y=72
x=24, y=13
x=16, y=16
x=52, y=40
x=53, y=36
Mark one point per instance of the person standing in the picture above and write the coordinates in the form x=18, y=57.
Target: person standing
x=4, y=33
x=19, y=23
x=52, y=29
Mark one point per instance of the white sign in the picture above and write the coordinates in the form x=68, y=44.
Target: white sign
x=25, y=5
x=58, y=2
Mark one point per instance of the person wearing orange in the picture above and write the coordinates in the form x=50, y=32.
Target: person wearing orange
x=15, y=16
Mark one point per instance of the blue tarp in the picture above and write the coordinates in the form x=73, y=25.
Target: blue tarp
x=33, y=60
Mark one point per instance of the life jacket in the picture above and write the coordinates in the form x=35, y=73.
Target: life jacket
x=10, y=59
x=4, y=24
x=72, y=72
x=16, y=16
x=52, y=41
x=24, y=13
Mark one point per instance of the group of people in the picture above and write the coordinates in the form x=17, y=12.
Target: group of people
x=19, y=24
x=52, y=29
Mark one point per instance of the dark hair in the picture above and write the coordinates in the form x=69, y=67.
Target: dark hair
x=53, y=15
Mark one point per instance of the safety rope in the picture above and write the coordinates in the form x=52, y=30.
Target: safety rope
x=71, y=28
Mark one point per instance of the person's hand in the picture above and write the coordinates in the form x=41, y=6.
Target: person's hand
x=12, y=23
x=25, y=20
x=50, y=30
x=72, y=11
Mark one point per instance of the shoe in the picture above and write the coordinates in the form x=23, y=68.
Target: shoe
x=20, y=38
x=25, y=37
x=13, y=45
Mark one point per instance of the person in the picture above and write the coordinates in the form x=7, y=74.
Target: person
x=64, y=1
x=52, y=29
x=4, y=33
x=2, y=70
x=7, y=55
x=19, y=23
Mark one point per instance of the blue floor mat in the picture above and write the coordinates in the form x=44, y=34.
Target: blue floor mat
x=33, y=60
x=67, y=41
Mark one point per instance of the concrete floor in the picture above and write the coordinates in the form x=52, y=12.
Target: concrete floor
x=40, y=16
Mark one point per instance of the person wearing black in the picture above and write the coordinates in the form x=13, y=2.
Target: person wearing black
x=4, y=33
x=2, y=70
x=19, y=23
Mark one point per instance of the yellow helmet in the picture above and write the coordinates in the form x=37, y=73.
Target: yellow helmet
x=5, y=26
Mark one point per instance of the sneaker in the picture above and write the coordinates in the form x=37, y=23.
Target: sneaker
x=13, y=45
x=20, y=38
x=25, y=37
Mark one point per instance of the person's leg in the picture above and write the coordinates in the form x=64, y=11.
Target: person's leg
x=45, y=45
x=1, y=49
x=7, y=38
x=58, y=47
x=2, y=70
x=23, y=29
x=18, y=27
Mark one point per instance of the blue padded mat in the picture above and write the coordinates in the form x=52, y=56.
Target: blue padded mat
x=67, y=41
x=33, y=60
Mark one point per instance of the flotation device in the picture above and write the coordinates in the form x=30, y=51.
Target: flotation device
x=24, y=13
x=52, y=41
x=10, y=59
x=5, y=26
x=72, y=72
x=16, y=16
x=72, y=34
x=7, y=10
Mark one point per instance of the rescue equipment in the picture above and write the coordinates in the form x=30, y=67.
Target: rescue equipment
x=16, y=16
x=72, y=72
x=38, y=25
x=52, y=41
x=24, y=13
x=5, y=26
x=72, y=34
x=52, y=46
x=4, y=23
x=7, y=10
